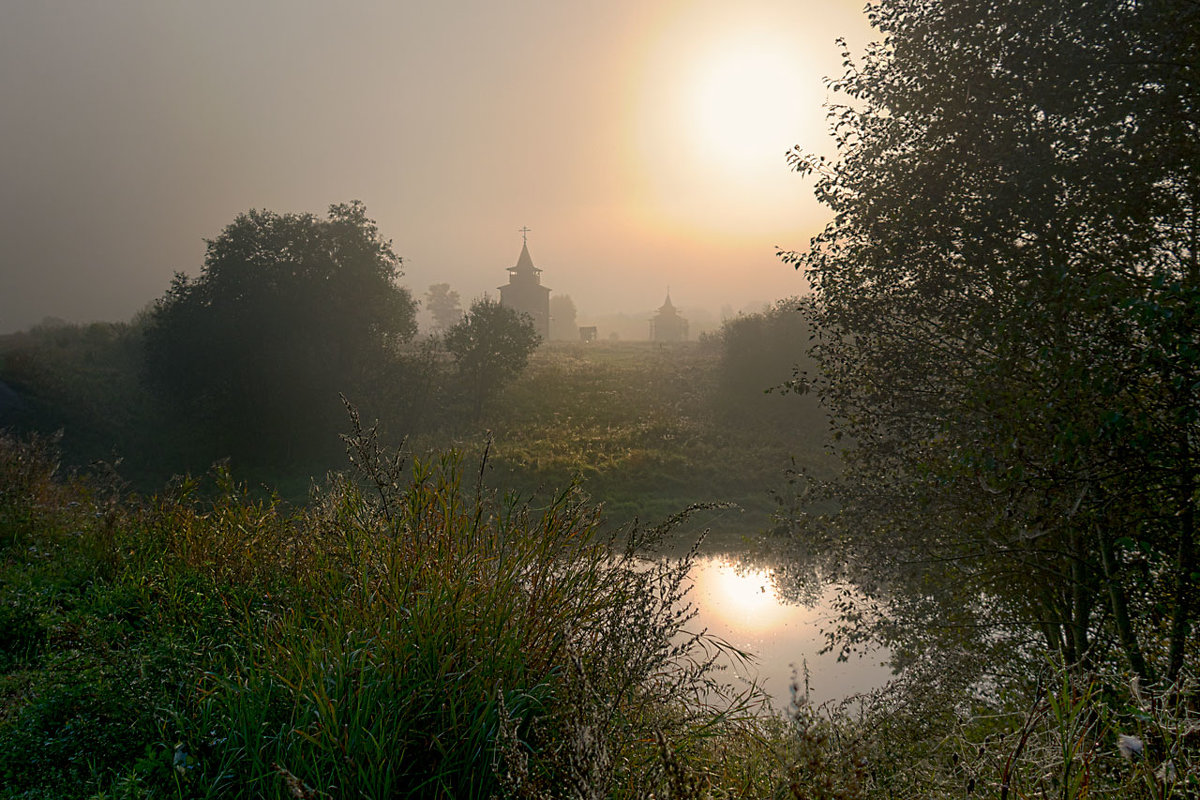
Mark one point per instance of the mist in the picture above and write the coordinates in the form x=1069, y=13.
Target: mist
x=455, y=418
x=134, y=131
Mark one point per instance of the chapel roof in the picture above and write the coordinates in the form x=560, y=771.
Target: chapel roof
x=524, y=262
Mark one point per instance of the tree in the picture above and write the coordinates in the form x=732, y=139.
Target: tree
x=444, y=305
x=491, y=346
x=562, y=318
x=288, y=311
x=759, y=353
x=1002, y=302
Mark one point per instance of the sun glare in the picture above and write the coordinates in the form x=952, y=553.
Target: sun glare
x=719, y=107
x=745, y=598
x=743, y=107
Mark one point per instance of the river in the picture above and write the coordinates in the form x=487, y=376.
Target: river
x=740, y=605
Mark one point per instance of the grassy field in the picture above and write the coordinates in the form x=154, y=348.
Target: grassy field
x=434, y=622
x=645, y=429
x=639, y=426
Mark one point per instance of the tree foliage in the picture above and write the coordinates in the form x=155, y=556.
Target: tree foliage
x=288, y=311
x=81, y=380
x=563, y=325
x=1007, y=306
x=491, y=346
x=445, y=306
x=760, y=354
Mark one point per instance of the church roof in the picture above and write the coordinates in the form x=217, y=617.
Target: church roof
x=667, y=307
x=524, y=263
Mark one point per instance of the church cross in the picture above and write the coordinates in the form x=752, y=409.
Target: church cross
x=524, y=231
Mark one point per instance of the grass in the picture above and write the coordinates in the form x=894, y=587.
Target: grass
x=639, y=426
x=412, y=633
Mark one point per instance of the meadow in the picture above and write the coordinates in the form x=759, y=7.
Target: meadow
x=649, y=430
x=645, y=429
x=491, y=607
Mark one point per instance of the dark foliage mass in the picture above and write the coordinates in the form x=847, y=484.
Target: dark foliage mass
x=84, y=380
x=490, y=346
x=1007, y=304
x=288, y=311
x=761, y=358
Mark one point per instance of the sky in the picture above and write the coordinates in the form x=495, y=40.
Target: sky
x=641, y=142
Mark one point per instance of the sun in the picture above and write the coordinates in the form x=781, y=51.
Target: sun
x=743, y=110
x=718, y=108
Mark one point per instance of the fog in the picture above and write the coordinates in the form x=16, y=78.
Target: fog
x=135, y=130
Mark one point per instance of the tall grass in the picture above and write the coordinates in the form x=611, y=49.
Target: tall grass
x=417, y=635
x=412, y=634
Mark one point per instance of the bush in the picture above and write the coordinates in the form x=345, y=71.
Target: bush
x=763, y=356
x=491, y=345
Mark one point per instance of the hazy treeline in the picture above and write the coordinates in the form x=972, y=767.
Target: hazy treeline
x=249, y=361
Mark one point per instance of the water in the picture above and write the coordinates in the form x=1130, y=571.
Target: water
x=742, y=607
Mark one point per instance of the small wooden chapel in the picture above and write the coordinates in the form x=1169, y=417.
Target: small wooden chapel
x=524, y=291
x=667, y=325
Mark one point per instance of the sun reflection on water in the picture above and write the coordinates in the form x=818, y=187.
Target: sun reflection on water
x=741, y=606
x=741, y=597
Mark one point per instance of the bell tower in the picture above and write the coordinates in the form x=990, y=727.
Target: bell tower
x=524, y=291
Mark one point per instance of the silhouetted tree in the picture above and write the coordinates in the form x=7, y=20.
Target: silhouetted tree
x=1004, y=302
x=288, y=311
x=444, y=305
x=759, y=356
x=491, y=346
x=562, y=318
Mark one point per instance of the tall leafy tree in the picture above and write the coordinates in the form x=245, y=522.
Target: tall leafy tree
x=445, y=306
x=563, y=324
x=288, y=311
x=1006, y=306
x=491, y=346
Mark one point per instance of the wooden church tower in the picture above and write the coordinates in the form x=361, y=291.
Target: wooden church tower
x=667, y=325
x=525, y=293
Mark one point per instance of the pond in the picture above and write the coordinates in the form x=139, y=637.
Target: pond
x=740, y=605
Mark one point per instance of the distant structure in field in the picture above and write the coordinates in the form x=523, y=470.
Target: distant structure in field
x=524, y=291
x=667, y=325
